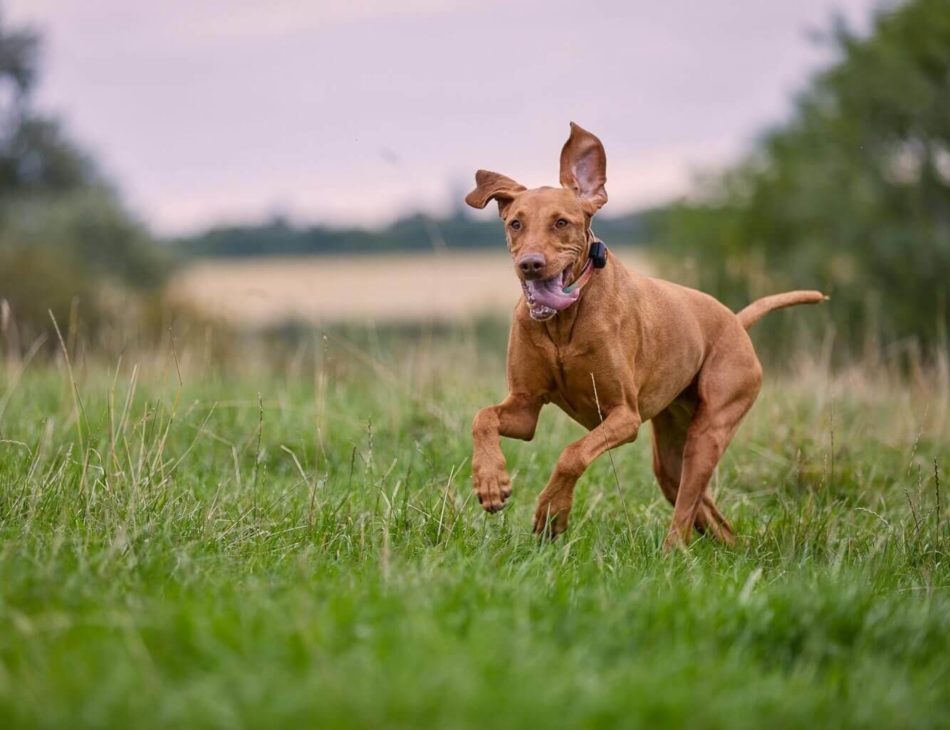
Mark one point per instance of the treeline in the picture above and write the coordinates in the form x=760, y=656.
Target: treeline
x=414, y=233
x=852, y=195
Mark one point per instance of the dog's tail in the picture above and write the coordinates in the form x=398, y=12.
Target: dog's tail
x=760, y=307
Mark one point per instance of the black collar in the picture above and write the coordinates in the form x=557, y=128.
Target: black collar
x=598, y=253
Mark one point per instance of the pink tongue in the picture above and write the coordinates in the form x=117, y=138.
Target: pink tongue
x=550, y=293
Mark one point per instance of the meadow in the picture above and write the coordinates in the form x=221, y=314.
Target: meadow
x=271, y=542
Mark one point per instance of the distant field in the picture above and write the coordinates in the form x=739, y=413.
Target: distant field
x=257, y=292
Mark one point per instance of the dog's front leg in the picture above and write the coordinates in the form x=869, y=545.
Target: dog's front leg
x=515, y=417
x=554, y=503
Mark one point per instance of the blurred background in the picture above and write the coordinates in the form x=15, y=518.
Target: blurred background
x=235, y=172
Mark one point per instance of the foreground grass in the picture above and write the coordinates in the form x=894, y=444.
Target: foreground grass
x=263, y=549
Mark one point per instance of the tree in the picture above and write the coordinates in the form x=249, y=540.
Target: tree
x=65, y=236
x=35, y=155
x=852, y=195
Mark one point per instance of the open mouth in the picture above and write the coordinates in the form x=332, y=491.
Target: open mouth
x=547, y=297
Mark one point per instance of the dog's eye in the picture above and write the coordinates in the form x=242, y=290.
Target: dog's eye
x=515, y=225
x=560, y=223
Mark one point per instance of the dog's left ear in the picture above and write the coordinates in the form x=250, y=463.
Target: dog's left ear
x=584, y=168
x=493, y=186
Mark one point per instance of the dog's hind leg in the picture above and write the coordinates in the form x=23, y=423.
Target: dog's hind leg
x=669, y=440
x=727, y=387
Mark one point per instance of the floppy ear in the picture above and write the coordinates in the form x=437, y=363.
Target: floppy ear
x=584, y=168
x=492, y=186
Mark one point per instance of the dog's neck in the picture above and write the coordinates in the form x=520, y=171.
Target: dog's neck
x=583, y=269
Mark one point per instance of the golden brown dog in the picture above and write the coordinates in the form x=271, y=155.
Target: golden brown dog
x=612, y=349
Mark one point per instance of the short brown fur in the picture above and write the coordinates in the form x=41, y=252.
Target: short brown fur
x=654, y=350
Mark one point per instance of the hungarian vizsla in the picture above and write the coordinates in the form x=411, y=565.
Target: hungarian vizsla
x=612, y=349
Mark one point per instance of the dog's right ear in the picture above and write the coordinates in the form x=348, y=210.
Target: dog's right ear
x=493, y=186
x=584, y=168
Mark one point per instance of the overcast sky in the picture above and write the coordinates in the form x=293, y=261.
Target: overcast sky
x=355, y=111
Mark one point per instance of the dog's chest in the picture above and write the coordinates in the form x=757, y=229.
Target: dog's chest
x=587, y=382
x=572, y=361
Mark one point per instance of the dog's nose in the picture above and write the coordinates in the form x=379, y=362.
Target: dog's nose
x=531, y=265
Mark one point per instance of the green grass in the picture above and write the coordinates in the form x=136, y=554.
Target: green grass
x=192, y=555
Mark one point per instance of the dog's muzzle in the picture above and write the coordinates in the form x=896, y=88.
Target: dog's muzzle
x=547, y=297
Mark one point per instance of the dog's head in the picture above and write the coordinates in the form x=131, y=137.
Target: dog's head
x=547, y=228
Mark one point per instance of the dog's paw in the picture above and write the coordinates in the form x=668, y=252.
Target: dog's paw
x=675, y=540
x=552, y=514
x=492, y=487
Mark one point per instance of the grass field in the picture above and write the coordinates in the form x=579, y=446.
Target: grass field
x=261, y=547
